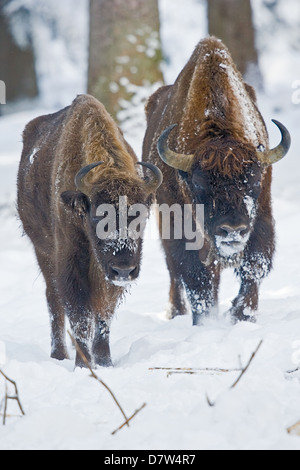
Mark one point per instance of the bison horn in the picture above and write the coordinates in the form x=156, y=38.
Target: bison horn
x=171, y=158
x=154, y=183
x=82, y=173
x=274, y=155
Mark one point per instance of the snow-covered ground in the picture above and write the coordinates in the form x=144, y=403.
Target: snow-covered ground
x=66, y=409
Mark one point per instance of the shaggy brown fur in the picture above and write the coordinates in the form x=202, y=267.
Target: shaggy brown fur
x=79, y=269
x=219, y=123
x=225, y=156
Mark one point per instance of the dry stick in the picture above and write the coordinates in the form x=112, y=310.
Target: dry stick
x=244, y=370
x=16, y=397
x=5, y=404
x=78, y=349
x=192, y=370
x=248, y=365
x=292, y=371
x=295, y=427
x=126, y=423
x=129, y=419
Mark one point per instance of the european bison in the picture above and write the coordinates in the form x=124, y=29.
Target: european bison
x=73, y=163
x=208, y=137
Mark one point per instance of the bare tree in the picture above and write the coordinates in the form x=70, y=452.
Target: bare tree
x=125, y=51
x=232, y=21
x=16, y=63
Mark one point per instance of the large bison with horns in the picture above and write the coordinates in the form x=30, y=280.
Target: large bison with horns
x=73, y=162
x=208, y=137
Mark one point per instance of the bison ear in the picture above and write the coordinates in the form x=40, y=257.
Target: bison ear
x=78, y=202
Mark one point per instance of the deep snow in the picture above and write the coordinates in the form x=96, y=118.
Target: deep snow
x=66, y=409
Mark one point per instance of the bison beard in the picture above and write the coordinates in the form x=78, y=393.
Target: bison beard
x=210, y=141
x=72, y=162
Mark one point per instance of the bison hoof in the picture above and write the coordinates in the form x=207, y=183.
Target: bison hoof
x=197, y=319
x=172, y=312
x=238, y=316
x=60, y=355
x=83, y=363
x=103, y=362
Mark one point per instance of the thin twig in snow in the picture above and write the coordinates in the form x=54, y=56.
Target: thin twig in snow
x=78, y=349
x=7, y=397
x=94, y=376
x=248, y=365
x=193, y=370
x=129, y=419
x=293, y=371
x=244, y=370
x=295, y=429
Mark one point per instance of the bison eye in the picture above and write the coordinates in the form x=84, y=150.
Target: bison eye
x=256, y=189
x=199, y=182
x=200, y=189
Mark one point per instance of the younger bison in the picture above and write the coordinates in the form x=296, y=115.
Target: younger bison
x=74, y=161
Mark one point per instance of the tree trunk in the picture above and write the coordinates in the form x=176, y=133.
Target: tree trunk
x=232, y=22
x=125, y=51
x=16, y=65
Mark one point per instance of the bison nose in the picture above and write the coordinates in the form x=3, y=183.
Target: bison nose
x=228, y=231
x=231, y=240
x=124, y=274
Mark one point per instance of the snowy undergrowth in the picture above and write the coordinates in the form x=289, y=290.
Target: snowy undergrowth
x=66, y=409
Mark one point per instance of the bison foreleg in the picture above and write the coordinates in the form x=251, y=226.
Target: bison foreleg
x=245, y=305
x=202, y=303
x=57, y=321
x=57, y=313
x=202, y=290
x=177, y=303
x=55, y=307
x=252, y=271
x=255, y=266
x=101, y=349
x=201, y=283
x=81, y=322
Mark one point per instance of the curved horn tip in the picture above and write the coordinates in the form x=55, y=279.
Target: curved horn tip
x=82, y=173
x=170, y=128
x=286, y=136
x=278, y=153
x=282, y=149
x=167, y=131
x=173, y=159
x=157, y=179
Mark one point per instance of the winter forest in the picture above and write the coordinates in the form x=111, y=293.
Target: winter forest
x=216, y=386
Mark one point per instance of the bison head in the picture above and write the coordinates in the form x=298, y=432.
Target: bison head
x=227, y=177
x=107, y=210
